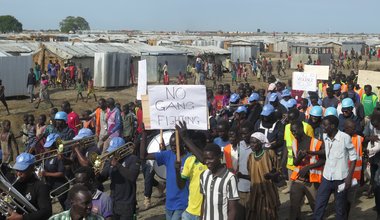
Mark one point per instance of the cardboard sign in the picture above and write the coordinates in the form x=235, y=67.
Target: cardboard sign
x=142, y=79
x=304, y=81
x=172, y=103
x=367, y=77
x=321, y=71
x=146, y=111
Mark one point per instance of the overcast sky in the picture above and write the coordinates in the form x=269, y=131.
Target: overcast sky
x=348, y=16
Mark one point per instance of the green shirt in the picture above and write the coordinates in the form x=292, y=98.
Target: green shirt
x=369, y=103
x=66, y=216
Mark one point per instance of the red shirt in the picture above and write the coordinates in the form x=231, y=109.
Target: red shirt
x=73, y=122
x=139, y=115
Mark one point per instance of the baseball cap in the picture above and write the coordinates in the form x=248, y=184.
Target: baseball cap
x=254, y=97
x=51, y=138
x=291, y=103
x=267, y=110
x=84, y=132
x=285, y=93
x=271, y=87
x=336, y=87
x=241, y=109
x=23, y=161
x=273, y=97
x=115, y=143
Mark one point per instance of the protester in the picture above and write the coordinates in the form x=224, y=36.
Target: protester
x=2, y=96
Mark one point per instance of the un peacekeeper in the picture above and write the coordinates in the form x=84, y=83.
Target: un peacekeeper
x=34, y=190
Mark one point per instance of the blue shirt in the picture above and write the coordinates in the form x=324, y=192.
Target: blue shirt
x=218, y=141
x=175, y=198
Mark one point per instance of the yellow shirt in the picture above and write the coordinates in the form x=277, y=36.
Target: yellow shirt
x=192, y=171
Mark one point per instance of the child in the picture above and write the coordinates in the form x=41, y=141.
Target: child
x=80, y=89
x=88, y=122
x=8, y=144
x=90, y=89
x=40, y=130
x=245, y=73
x=44, y=93
x=166, y=78
x=31, y=134
x=24, y=130
x=129, y=121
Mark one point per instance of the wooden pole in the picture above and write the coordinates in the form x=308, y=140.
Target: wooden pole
x=162, y=144
x=177, y=145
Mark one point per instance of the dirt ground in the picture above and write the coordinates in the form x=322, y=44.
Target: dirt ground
x=18, y=107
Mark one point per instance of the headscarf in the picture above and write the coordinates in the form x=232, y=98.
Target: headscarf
x=262, y=138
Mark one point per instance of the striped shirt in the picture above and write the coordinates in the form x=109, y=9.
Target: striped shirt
x=218, y=190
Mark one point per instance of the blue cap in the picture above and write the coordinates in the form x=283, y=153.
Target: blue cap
x=291, y=103
x=241, y=109
x=115, y=143
x=285, y=93
x=254, y=97
x=331, y=111
x=23, y=161
x=51, y=138
x=347, y=103
x=316, y=111
x=84, y=132
x=267, y=110
x=234, y=97
x=336, y=87
x=273, y=97
x=61, y=116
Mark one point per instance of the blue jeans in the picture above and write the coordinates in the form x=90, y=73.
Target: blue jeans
x=326, y=188
x=149, y=181
x=174, y=214
x=188, y=216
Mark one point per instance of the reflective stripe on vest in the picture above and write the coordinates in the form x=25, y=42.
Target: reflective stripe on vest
x=316, y=173
x=357, y=142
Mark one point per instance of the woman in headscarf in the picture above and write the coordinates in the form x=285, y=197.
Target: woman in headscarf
x=263, y=172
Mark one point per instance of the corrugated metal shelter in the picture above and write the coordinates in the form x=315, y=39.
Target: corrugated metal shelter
x=243, y=51
x=112, y=69
x=357, y=46
x=337, y=47
x=177, y=62
x=208, y=52
x=302, y=52
x=14, y=73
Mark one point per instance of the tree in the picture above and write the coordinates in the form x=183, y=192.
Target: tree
x=74, y=24
x=9, y=23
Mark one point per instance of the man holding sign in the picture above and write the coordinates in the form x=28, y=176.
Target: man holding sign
x=177, y=191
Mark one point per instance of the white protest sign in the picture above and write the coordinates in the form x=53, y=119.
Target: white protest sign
x=321, y=71
x=304, y=81
x=142, y=79
x=172, y=103
x=367, y=77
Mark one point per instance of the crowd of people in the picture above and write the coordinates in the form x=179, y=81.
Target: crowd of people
x=312, y=144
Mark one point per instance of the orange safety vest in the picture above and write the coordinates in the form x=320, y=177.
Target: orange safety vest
x=360, y=92
x=227, y=156
x=357, y=142
x=316, y=173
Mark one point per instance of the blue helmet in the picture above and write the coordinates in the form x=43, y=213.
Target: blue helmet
x=254, y=97
x=347, y=103
x=234, y=98
x=267, y=110
x=273, y=97
x=23, y=161
x=316, y=111
x=115, y=143
x=83, y=132
x=331, y=111
x=61, y=116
